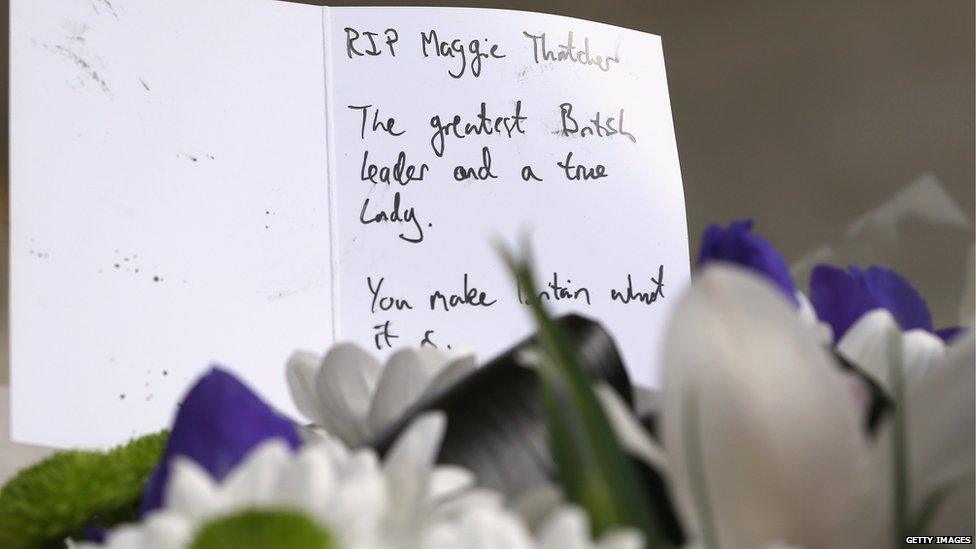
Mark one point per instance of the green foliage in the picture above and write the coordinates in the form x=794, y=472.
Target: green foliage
x=57, y=497
x=593, y=468
x=254, y=529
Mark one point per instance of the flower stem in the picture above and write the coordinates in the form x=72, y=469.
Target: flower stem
x=899, y=450
x=696, y=468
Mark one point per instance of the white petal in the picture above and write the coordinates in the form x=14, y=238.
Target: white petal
x=487, y=528
x=448, y=481
x=190, y=491
x=873, y=343
x=868, y=342
x=166, y=531
x=130, y=536
x=763, y=412
x=442, y=536
x=536, y=505
x=360, y=502
x=253, y=481
x=629, y=431
x=922, y=350
x=300, y=373
x=821, y=332
x=622, y=539
x=940, y=427
x=467, y=502
x=452, y=372
x=317, y=436
x=403, y=380
x=345, y=385
x=408, y=465
x=308, y=482
x=567, y=528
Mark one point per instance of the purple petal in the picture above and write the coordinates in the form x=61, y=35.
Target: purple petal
x=218, y=423
x=838, y=298
x=891, y=291
x=948, y=334
x=94, y=533
x=737, y=244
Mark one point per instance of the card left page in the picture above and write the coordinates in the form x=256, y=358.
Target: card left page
x=169, y=207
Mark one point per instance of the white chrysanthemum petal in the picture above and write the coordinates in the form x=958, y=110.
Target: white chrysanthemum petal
x=408, y=464
x=124, y=537
x=349, y=394
x=476, y=498
x=345, y=385
x=567, y=528
x=450, y=374
x=315, y=435
x=308, y=482
x=485, y=528
x=758, y=420
x=166, y=531
x=431, y=357
x=300, y=373
x=448, y=481
x=359, y=505
x=622, y=539
x=629, y=431
x=252, y=483
x=441, y=536
x=190, y=492
x=403, y=380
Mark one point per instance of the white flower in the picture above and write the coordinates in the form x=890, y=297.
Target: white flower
x=351, y=395
x=932, y=387
x=820, y=331
x=355, y=501
x=761, y=430
x=866, y=344
x=490, y=528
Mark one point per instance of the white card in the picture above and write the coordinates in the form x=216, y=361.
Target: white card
x=189, y=188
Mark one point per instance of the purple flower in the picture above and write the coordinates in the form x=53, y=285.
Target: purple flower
x=841, y=297
x=218, y=423
x=737, y=244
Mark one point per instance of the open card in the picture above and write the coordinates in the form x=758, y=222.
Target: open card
x=227, y=181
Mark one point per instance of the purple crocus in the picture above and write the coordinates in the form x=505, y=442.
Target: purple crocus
x=219, y=421
x=738, y=244
x=841, y=297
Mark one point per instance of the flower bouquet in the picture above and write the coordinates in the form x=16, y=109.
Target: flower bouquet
x=841, y=417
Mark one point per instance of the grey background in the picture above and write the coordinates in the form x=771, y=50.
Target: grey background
x=801, y=115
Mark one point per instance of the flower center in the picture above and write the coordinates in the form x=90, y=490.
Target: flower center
x=254, y=529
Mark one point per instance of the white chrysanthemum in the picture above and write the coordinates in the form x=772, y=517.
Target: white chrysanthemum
x=353, y=501
x=356, y=500
x=351, y=395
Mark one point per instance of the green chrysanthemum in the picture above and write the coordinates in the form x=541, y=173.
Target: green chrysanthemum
x=59, y=496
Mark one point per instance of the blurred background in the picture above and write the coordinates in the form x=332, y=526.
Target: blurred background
x=800, y=115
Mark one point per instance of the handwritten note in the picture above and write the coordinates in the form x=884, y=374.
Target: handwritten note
x=225, y=181
x=452, y=127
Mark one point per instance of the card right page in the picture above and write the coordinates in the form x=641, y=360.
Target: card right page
x=452, y=129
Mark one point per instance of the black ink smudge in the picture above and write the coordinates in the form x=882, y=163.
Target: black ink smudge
x=82, y=64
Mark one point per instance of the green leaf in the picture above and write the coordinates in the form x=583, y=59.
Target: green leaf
x=59, y=496
x=592, y=467
x=263, y=529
